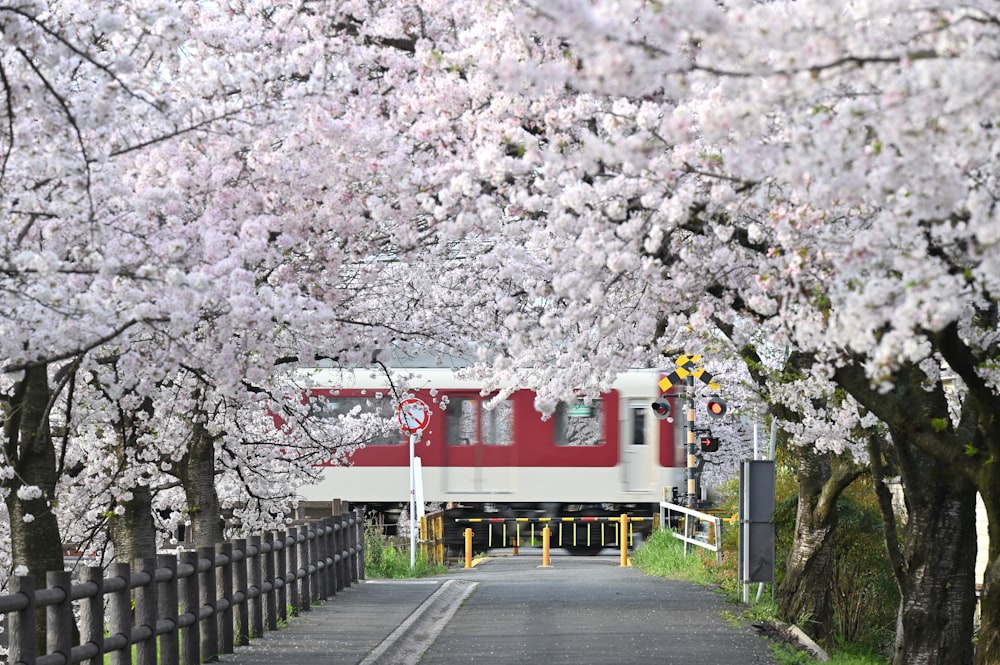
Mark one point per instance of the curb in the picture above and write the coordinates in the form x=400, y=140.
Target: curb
x=406, y=644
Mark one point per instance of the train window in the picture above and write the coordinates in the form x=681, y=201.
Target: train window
x=468, y=422
x=461, y=420
x=498, y=424
x=576, y=426
x=334, y=407
x=639, y=426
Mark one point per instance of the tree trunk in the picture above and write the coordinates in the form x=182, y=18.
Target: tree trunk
x=133, y=532
x=988, y=646
x=197, y=474
x=131, y=528
x=935, y=561
x=35, y=539
x=938, y=555
x=805, y=594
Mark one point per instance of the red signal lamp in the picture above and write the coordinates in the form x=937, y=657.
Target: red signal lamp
x=716, y=407
x=661, y=407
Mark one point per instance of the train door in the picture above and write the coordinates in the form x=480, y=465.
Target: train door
x=478, y=446
x=636, y=449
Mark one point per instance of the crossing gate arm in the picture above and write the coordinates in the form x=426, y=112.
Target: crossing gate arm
x=556, y=524
x=713, y=544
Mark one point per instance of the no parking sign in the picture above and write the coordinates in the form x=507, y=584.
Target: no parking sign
x=413, y=414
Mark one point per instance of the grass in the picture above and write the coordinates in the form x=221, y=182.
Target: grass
x=663, y=556
x=387, y=558
x=393, y=562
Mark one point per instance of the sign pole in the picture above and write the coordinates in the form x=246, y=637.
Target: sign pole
x=414, y=415
x=413, y=502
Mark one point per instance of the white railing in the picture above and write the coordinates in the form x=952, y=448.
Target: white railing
x=709, y=537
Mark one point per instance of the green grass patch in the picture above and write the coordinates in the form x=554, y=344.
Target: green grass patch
x=662, y=555
x=388, y=558
x=785, y=654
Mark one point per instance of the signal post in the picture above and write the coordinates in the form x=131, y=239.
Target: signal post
x=688, y=370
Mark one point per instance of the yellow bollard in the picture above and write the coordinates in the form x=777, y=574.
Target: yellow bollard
x=468, y=547
x=546, y=538
x=623, y=539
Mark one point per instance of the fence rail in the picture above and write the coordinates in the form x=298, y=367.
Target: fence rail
x=709, y=538
x=196, y=604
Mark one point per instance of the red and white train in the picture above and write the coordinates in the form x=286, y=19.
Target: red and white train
x=605, y=457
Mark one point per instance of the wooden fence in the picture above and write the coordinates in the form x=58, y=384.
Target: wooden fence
x=432, y=537
x=198, y=603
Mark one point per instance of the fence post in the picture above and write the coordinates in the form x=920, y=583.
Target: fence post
x=240, y=593
x=316, y=579
x=280, y=561
x=338, y=565
x=120, y=613
x=59, y=617
x=190, y=637
x=206, y=598
x=718, y=540
x=330, y=558
x=346, y=572
x=255, y=599
x=224, y=596
x=145, y=611
x=271, y=599
x=167, y=601
x=92, y=613
x=23, y=647
x=292, y=561
x=340, y=549
x=324, y=531
x=305, y=597
x=358, y=542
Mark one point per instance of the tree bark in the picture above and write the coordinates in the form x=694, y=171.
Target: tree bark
x=988, y=646
x=805, y=593
x=133, y=532
x=197, y=474
x=35, y=539
x=938, y=598
x=131, y=528
x=935, y=561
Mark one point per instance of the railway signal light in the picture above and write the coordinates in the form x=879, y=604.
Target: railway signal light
x=661, y=407
x=716, y=407
x=709, y=443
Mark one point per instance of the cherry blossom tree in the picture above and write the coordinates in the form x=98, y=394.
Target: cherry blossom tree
x=573, y=188
x=823, y=169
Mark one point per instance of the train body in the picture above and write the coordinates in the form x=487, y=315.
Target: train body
x=604, y=456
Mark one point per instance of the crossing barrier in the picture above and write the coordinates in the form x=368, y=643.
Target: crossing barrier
x=615, y=532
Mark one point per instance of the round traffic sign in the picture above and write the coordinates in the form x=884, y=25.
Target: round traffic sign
x=414, y=415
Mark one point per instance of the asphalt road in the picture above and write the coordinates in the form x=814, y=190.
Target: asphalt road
x=589, y=610
x=581, y=610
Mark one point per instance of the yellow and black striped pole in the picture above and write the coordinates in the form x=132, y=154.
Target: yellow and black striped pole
x=692, y=461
